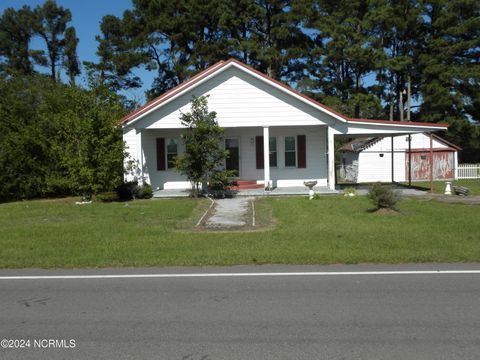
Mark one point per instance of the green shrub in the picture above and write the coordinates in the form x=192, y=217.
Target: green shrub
x=126, y=190
x=144, y=192
x=220, y=180
x=383, y=196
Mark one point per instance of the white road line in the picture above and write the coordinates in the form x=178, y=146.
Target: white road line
x=213, y=275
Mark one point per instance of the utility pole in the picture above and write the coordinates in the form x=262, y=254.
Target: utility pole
x=391, y=119
x=409, y=98
x=409, y=104
x=400, y=105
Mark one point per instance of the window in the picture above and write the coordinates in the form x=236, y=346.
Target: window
x=290, y=151
x=172, y=152
x=273, y=152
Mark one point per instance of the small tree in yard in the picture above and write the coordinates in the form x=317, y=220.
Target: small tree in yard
x=383, y=196
x=203, y=155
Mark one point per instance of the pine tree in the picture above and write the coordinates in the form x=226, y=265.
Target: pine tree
x=398, y=32
x=450, y=63
x=342, y=56
x=71, y=59
x=51, y=23
x=16, y=31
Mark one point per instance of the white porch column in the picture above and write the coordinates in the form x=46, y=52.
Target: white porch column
x=139, y=157
x=266, y=157
x=331, y=158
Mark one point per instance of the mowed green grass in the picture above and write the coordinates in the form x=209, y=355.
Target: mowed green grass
x=333, y=229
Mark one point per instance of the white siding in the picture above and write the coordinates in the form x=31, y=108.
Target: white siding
x=281, y=176
x=239, y=100
x=372, y=167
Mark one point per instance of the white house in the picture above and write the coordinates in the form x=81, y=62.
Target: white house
x=276, y=135
x=370, y=159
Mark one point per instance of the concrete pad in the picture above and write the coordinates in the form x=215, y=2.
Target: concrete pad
x=229, y=213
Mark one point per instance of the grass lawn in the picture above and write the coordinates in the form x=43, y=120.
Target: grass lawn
x=333, y=229
x=439, y=186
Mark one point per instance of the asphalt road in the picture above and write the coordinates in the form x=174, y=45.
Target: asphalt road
x=434, y=316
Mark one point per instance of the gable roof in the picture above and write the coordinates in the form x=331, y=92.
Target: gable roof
x=223, y=65
x=442, y=140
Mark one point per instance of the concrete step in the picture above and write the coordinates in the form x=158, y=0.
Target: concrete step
x=245, y=182
x=248, y=186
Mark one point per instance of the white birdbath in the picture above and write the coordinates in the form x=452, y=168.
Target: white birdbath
x=310, y=185
x=448, y=188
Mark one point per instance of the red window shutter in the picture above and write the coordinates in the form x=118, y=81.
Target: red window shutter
x=259, y=151
x=301, y=151
x=161, y=154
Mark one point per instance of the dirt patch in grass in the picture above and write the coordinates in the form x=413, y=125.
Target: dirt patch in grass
x=386, y=211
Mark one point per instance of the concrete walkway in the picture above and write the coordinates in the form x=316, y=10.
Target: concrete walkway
x=278, y=191
x=229, y=213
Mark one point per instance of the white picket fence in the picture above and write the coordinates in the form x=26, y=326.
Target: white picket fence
x=468, y=171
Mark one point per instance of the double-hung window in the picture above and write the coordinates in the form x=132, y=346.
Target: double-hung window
x=290, y=151
x=273, y=151
x=172, y=152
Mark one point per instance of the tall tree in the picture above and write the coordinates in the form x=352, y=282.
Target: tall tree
x=16, y=31
x=70, y=58
x=51, y=22
x=398, y=31
x=117, y=56
x=450, y=63
x=178, y=39
x=277, y=39
x=342, y=55
x=450, y=68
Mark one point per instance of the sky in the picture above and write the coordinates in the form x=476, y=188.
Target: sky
x=86, y=18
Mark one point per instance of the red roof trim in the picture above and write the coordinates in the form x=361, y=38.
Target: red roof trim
x=448, y=149
x=221, y=64
x=412, y=123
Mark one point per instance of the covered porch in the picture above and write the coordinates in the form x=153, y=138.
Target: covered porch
x=278, y=159
x=273, y=157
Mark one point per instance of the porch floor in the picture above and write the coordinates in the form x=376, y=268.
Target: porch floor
x=279, y=191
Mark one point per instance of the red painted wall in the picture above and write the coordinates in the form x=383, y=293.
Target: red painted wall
x=443, y=165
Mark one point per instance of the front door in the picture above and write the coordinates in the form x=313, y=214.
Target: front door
x=233, y=160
